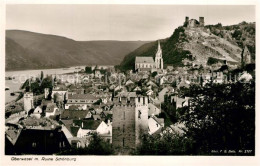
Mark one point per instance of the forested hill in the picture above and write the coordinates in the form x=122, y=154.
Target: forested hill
x=29, y=50
x=215, y=41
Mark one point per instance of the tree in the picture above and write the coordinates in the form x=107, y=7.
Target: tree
x=42, y=75
x=154, y=74
x=88, y=70
x=166, y=144
x=220, y=117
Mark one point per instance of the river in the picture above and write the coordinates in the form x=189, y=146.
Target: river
x=22, y=75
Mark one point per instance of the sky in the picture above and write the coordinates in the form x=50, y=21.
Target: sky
x=118, y=22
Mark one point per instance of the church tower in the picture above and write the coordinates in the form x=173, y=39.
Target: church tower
x=158, y=57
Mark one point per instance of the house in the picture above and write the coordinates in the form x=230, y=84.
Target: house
x=98, y=74
x=128, y=82
x=80, y=142
x=83, y=100
x=107, y=115
x=181, y=102
x=76, y=114
x=155, y=125
x=52, y=110
x=119, y=87
x=34, y=140
x=137, y=88
x=153, y=110
x=75, y=89
x=151, y=83
x=37, y=113
x=149, y=92
x=61, y=90
x=162, y=94
x=87, y=127
x=105, y=131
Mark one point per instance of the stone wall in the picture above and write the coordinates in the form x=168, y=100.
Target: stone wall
x=123, y=126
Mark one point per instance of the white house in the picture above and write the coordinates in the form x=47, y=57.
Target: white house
x=155, y=125
x=51, y=110
x=83, y=100
x=37, y=112
x=128, y=82
x=105, y=131
x=137, y=89
x=153, y=110
x=149, y=92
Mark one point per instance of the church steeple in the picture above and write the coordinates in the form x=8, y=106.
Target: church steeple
x=159, y=50
x=158, y=57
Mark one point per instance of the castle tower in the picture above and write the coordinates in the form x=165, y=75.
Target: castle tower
x=158, y=57
x=245, y=57
x=123, y=127
x=141, y=117
x=28, y=101
x=130, y=121
x=186, y=19
x=201, y=21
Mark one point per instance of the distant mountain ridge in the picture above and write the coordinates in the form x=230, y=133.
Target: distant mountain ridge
x=215, y=41
x=30, y=50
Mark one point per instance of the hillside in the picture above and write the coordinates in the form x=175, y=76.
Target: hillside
x=29, y=50
x=212, y=41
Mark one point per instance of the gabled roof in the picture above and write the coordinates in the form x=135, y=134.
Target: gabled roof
x=50, y=107
x=12, y=135
x=87, y=124
x=144, y=60
x=82, y=96
x=126, y=94
x=75, y=114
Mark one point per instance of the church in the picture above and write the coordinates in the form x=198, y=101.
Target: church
x=148, y=63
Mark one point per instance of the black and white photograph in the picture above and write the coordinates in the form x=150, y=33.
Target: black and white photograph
x=128, y=80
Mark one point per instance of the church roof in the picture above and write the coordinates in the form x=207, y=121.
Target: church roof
x=144, y=60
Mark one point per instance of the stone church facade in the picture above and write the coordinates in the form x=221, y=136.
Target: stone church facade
x=148, y=63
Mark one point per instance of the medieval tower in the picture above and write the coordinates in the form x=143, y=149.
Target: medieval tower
x=141, y=117
x=28, y=101
x=158, y=57
x=130, y=120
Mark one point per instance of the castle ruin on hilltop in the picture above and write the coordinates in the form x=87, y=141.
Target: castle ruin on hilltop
x=193, y=23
